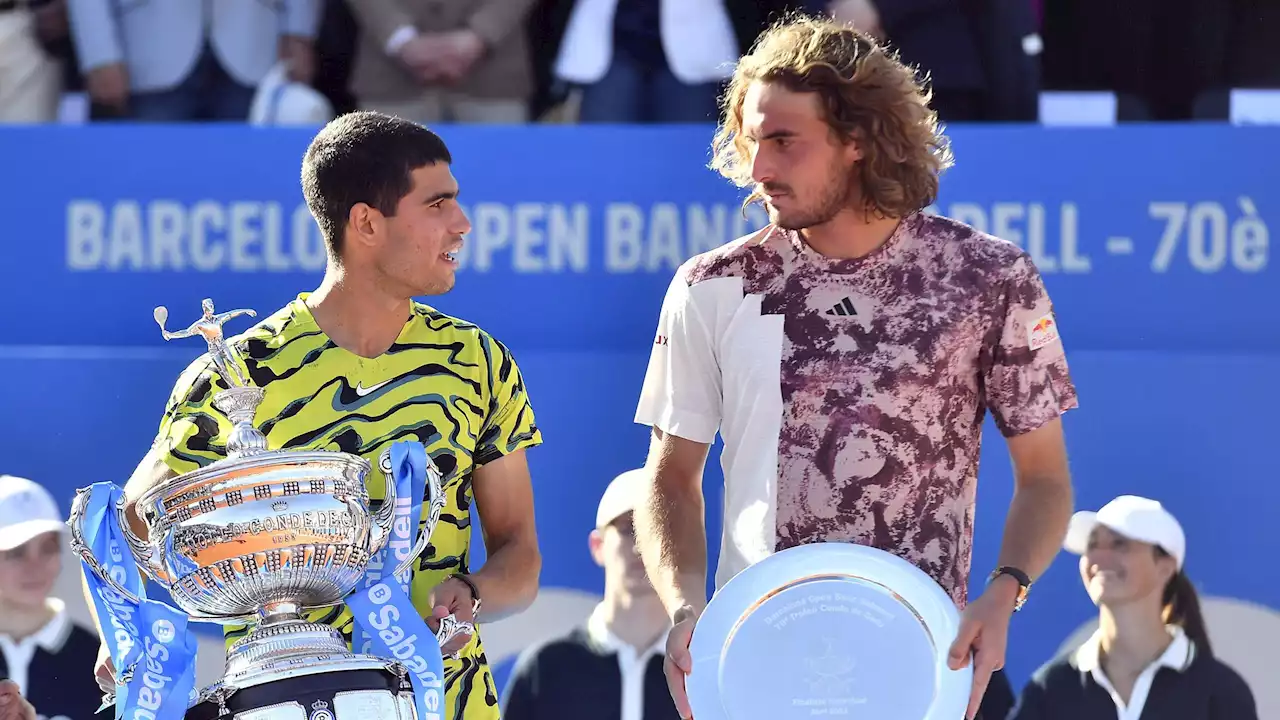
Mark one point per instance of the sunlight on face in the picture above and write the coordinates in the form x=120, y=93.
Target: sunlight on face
x=798, y=164
x=426, y=233
x=1117, y=570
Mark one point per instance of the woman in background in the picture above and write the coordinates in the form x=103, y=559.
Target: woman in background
x=1151, y=656
x=47, y=658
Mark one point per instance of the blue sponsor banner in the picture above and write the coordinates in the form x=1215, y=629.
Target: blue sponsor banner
x=1155, y=243
x=1151, y=238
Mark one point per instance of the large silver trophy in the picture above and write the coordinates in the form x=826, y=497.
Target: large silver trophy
x=261, y=537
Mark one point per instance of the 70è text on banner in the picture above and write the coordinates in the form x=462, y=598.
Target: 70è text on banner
x=1206, y=236
x=532, y=238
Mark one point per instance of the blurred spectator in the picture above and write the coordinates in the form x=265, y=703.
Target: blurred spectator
x=1150, y=657
x=982, y=56
x=648, y=61
x=610, y=669
x=1164, y=59
x=30, y=79
x=643, y=61
x=174, y=61
x=41, y=650
x=437, y=61
x=335, y=51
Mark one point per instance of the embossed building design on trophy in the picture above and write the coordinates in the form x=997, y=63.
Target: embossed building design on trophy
x=260, y=538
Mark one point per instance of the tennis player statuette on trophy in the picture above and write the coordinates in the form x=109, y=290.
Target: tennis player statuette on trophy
x=260, y=538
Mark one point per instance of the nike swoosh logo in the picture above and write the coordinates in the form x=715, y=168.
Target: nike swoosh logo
x=362, y=391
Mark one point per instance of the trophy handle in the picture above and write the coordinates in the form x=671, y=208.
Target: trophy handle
x=435, y=504
x=419, y=546
x=385, y=516
x=140, y=549
x=76, y=523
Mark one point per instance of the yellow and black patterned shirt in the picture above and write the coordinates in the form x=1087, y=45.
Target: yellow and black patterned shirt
x=444, y=382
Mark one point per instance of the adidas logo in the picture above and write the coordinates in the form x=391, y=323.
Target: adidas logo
x=843, y=308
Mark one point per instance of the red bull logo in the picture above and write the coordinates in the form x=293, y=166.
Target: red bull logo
x=1042, y=332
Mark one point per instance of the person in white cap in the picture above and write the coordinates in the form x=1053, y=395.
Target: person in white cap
x=1151, y=656
x=47, y=657
x=610, y=668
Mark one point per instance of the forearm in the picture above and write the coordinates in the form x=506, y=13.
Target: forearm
x=508, y=582
x=1036, y=525
x=673, y=544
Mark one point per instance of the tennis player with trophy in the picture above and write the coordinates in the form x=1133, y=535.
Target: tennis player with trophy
x=259, y=538
x=257, y=507
x=846, y=355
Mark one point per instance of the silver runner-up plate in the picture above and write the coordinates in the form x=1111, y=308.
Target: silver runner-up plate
x=828, y=630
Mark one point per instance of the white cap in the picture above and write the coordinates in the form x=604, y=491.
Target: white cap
x=26, y=510
x=278, y=101
x=1136, y=518
x=621, y=497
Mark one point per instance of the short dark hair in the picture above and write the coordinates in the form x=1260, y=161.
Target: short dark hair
x=364, y=157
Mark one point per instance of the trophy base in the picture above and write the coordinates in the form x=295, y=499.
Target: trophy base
x=296, y=670
x=324, y=693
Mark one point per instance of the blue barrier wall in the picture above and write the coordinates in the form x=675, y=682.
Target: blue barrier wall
x=1153, y=241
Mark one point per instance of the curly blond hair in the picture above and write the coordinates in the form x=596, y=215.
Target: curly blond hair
x=867, y=95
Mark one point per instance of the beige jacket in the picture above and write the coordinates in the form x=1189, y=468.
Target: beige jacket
x=504, y=71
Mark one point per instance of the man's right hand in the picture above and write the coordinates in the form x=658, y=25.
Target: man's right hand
x=679, y=662
x=104, y=671
x=422, y=55
x=109, y=85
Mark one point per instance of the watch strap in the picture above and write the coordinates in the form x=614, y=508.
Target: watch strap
x=1023, y=580
x=475, y=592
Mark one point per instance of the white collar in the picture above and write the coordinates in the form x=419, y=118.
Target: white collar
x=1177, y=656
x=599, y=633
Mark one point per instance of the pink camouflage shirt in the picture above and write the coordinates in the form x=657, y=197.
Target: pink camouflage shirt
x=850, y=394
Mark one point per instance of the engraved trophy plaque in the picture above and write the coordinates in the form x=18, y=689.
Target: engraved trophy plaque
x=823, y=630
x=260, y=538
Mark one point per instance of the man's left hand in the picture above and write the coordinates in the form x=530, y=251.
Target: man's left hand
x=984, y=632
x=299, y=54
x=451, y=597
x=12, y=705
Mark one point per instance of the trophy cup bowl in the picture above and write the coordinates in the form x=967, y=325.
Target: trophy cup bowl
x=259, y=538
x=268, y=534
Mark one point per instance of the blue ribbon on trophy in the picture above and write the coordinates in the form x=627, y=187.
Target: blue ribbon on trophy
x=387, y=623
x=152, y=651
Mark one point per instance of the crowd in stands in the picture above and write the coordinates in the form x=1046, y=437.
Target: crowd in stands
x=629, y=61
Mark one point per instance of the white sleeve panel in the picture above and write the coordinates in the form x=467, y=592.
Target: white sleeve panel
x=682, y=393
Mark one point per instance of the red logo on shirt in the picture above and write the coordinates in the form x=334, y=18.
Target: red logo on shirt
x=660, y=340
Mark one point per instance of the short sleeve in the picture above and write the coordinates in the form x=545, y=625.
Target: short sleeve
x=1025, y=371
x=192, y=432
x=682, y=391
x=509, y=425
